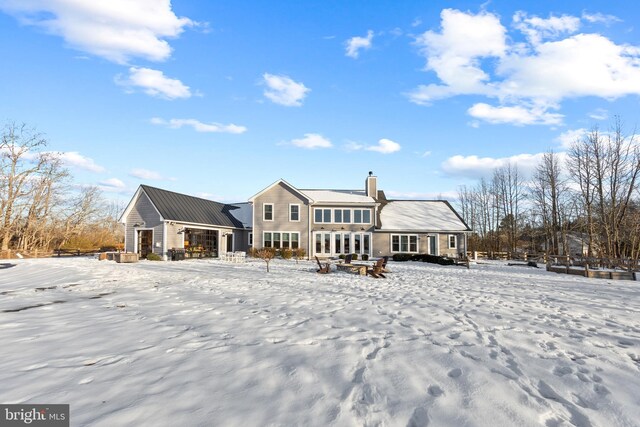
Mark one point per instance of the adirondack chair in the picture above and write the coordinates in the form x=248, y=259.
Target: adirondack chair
x=323, y=269
x=377, y=270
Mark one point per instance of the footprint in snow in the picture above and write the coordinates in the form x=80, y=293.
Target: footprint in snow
x=455, y=373
x=435, y=390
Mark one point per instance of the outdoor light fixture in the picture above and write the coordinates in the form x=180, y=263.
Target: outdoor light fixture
x=139, y=224
x=181, y=230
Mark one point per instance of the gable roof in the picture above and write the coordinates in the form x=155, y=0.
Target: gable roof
x=420, y=216
x=182, y=208
x=283, y=182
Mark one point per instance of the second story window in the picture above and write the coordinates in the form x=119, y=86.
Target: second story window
x=322, y=216
x=294, y=213
x=267, y=211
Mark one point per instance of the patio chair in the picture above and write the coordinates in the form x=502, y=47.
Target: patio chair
x=377, y=270
x=239, y=256
x=323, y=269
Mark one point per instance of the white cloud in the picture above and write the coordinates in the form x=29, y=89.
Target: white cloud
x=472, y=55
x=113, y=185
x=312, y=141
x=145, y=174
x=154, y=83
x=354, y=45
x=117, y=30
x=600, y=18
x=477, y=167
x=536, y=28
x=77, y=160
x=517, y=115
x=568, y=137
x=199, y=126
x=599, y=114
x=284, y=91
x=385, y=146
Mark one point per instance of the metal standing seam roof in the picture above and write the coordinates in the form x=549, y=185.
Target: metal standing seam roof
x=182, y=208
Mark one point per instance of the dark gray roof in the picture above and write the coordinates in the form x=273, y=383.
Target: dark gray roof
x=182, y=208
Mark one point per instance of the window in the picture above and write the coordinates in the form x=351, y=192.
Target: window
x=453, y=241
x=267, y=211
x=404, y=243
x=342, y=216
x=250, y=239
x=362, y=216
x=322, y=216
x=294, y=213
x=281, y=239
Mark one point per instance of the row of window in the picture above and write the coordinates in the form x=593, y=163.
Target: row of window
x=409, y=243
x=281, y=239
x=323, y=215
x=341, y=216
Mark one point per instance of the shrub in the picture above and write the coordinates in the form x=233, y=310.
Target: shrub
x=253, y=252
x=365, y=257
x=341, y=256
x=354, y=257
x=286, y=253
x=154, y=257
x=434, y=259
x=402, y=257
x=266, y=254
x=299, y=253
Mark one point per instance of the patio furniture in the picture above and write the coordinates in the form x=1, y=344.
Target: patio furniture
x=323, y=269
x=239, y=257
x=377, y=270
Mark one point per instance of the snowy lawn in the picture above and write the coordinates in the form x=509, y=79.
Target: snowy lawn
x=203, y=342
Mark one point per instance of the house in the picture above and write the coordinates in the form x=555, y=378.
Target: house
x=326, y=223
x=158, y=221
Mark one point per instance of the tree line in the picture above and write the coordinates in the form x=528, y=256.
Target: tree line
x=40, y=208
x=588, y=195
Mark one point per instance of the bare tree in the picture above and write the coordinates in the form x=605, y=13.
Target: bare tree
x=21, y=160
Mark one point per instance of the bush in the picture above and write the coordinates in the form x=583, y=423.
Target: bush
x=299, y=253
x=434, y=259
x=153, y=257
x=341, y=256
x=286, y=253
x=354, y=257
x=365, y=257
x=253, y=252
x=402, y=257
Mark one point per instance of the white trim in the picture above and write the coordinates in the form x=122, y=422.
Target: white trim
x=250, y=239
x=449, y=236
x=253, y=198
x=133, y=201
x=135, y=238
x=323, y=221
x=408, y=251
x=273, y=209
x=435, y=236
x=281, y=232
x=294, y=204
x=164, y=240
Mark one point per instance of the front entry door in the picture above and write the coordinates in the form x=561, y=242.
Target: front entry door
x=145, y=242
x=229, y=242
x=433, y=247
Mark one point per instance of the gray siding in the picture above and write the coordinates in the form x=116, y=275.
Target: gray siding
x=382, y=243
x=281, y=196
x=143, y=211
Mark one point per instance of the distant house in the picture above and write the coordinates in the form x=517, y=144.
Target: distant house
x=326, y=223
x=158, y=220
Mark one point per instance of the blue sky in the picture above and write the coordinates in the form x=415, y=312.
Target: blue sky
x=221, y=99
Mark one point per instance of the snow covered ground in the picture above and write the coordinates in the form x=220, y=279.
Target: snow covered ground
x=204, y=342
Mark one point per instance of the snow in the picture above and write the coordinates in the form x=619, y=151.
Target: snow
x=338, y=196
x=204, y=342
x=423, y=215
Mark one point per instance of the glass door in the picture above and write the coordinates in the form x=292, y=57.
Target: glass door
x=322, y=243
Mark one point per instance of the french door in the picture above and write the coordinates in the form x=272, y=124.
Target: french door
x=337, y=243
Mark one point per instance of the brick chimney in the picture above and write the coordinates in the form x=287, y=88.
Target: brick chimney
x=371, y=186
